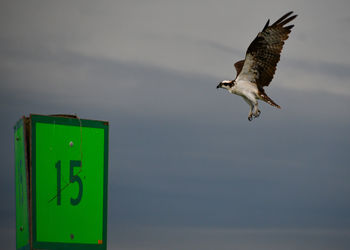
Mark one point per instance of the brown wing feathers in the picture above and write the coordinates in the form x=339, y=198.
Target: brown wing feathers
x=264, y=52
x=239, y=66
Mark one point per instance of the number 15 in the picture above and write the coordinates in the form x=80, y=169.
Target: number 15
x=72, y=178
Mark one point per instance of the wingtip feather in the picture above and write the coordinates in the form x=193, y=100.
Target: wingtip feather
x=282, y=18
x=266, y=25
x=289, y=19
x=289, y=27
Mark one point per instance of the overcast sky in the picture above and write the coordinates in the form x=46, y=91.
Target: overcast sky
x=187, y=169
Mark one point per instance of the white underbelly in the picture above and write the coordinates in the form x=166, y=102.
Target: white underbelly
x=245, y=89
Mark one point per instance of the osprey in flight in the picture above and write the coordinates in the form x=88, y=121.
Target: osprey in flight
x=257, y=69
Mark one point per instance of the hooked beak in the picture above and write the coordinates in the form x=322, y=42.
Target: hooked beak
x=219, y=85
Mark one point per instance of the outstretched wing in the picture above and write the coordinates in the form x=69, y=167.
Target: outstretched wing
x=264, y=52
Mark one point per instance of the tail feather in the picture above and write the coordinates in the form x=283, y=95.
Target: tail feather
x=267, y=99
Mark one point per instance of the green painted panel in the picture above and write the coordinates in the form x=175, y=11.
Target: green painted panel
x=22, y=220
x=69, y=183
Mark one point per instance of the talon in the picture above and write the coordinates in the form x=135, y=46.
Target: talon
x=257, y=113
x=250, y=118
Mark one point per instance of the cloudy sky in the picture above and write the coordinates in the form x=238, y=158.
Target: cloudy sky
x=187, y=169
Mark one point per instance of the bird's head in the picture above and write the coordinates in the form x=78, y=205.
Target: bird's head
x=225, y=84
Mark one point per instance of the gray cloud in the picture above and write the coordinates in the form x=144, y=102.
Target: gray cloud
x=340, y=71
x=198, y=238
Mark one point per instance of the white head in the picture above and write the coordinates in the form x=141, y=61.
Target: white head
x=225, y=84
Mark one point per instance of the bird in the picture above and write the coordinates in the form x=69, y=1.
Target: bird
x=256, y=71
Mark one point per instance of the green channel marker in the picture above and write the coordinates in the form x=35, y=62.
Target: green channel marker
x=22, y=220
x=69, y=183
